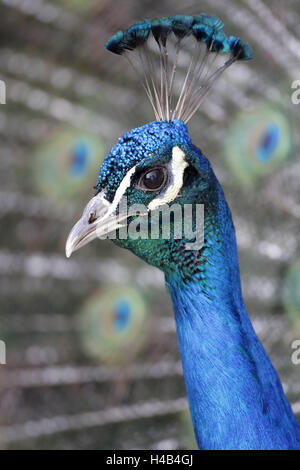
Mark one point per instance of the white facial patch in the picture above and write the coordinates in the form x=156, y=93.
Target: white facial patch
x=125, y=183
x=178, y=165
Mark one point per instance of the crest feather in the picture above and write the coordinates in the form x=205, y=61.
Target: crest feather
x=178, y=55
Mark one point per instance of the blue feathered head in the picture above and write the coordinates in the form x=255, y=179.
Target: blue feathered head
x=156, y=165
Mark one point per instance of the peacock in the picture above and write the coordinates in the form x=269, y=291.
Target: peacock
x=235, y=396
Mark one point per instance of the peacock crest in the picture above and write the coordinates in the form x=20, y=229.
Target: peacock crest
x=178, y=59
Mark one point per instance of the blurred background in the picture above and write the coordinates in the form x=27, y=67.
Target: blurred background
x=92, y=359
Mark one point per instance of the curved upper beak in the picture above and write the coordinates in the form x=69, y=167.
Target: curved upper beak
x=97, y=221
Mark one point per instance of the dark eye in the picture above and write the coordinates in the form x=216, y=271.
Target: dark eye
x=153, y=179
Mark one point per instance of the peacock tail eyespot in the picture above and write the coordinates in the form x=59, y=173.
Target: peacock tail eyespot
x=65, y=162
x=258, y=143
x=111, y=324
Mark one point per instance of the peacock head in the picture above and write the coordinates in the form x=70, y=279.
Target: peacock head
x=150, y=196
x=155, y=185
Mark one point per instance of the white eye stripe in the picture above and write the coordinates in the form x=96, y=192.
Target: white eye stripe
x=178, y=165
x=125, y=183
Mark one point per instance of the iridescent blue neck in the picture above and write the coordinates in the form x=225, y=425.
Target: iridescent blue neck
x=235, y=395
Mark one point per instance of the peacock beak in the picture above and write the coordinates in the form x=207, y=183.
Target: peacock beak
x=98, y=220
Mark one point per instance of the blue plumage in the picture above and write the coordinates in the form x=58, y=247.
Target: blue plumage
x=205, y=28
x=209, y=20
x=153, y=138
x=139, y=32
x=240, y=48
x=182, y=25
x=161, y=28
x=269, y=143
x=235, y=395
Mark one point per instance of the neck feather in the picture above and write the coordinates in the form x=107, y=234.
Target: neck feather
x=235, y=395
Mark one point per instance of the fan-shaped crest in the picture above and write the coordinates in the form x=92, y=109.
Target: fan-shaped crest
x=178, y=55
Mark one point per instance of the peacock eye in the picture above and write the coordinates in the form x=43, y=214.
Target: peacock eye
x=153, y=180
